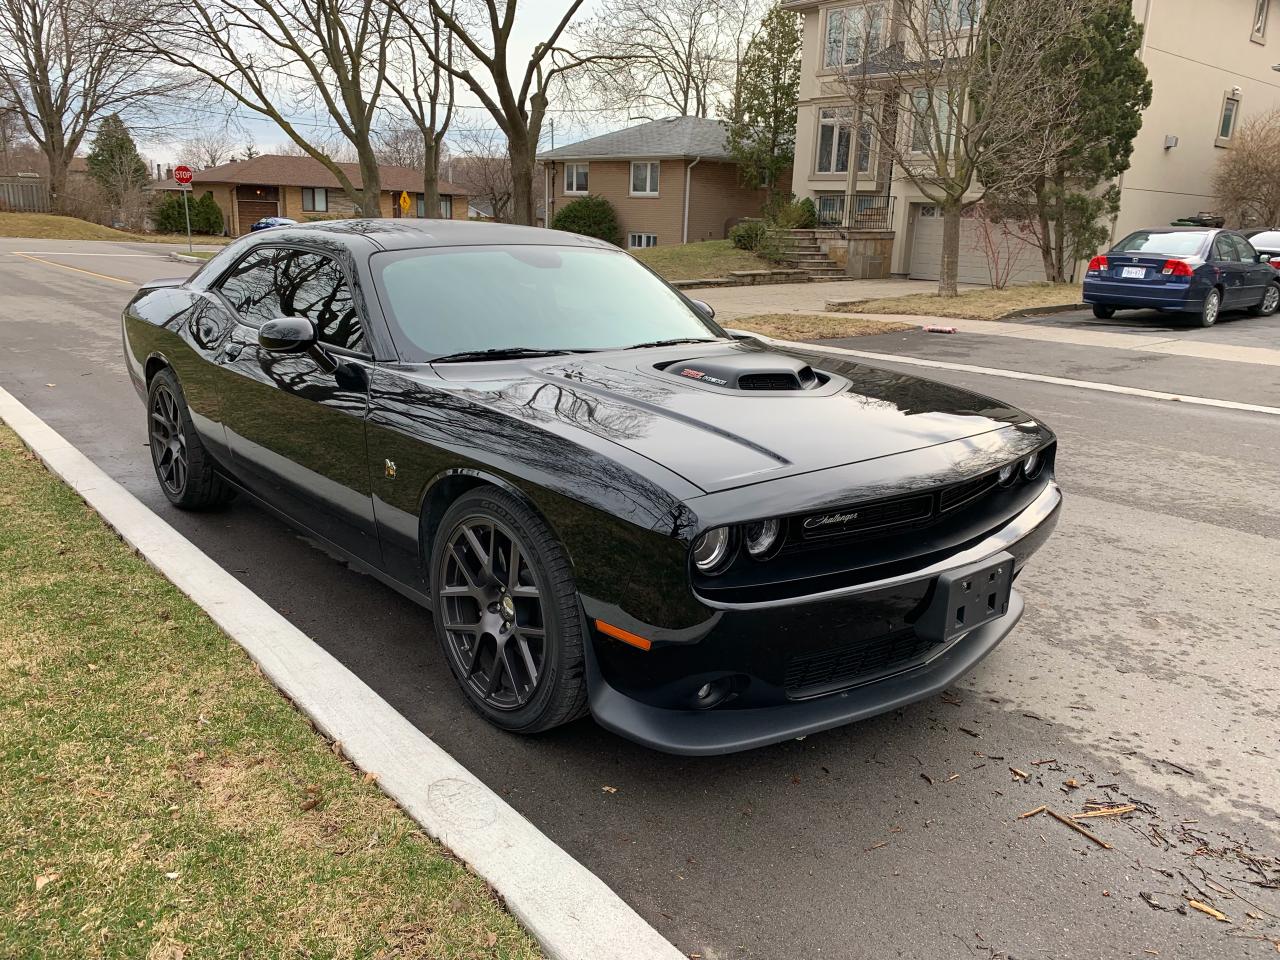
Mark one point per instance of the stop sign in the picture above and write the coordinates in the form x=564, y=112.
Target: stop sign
x=182, y=175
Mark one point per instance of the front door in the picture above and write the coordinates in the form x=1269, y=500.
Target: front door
x=295, y=425
x=1254, y=275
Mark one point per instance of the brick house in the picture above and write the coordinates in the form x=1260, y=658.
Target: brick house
x=301, y=188
x=670, y=181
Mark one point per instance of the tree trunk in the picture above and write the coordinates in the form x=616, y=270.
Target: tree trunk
x=431, y=178
x=1059, y=238
x=950, y=249
x=1046, y=231
x=59, y=161
x=370, y=193
x=522, y=166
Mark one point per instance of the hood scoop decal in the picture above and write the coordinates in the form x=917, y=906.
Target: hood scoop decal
x=748, y=372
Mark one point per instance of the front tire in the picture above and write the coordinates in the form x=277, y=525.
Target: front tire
x=1211, y=307
x=183, y=466
x=1270, y=302
x=507, y=614
x=1103, y=312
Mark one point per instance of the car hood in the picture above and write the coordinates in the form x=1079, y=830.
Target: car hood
x=679, y=407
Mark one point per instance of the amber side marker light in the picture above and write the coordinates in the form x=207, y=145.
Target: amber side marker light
x=626, y=636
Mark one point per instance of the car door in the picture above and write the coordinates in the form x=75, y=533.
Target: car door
x=1255, y=275
x=1226, y=260
x=296, y=425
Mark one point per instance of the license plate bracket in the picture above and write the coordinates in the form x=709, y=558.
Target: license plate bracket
x=1133, y=273
x=968, y=597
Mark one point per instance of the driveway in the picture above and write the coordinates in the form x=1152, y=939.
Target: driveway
x=1235, y=327
x=1145, y=671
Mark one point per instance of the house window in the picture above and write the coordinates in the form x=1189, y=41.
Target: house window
x=644, y=178
x=638, y=241
x=446, y=208
x=1227, y=119
x=835, y=129
x=853, y=33
x=930, y=111
x=953, y=14
x=419, y=205
x=1260, y=21
x=575, y=178
x=315, y=199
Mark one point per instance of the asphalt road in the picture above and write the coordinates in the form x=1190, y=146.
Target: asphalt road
x=1145, y=671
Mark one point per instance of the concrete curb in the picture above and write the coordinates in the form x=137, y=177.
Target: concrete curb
x=186, y=258
x=569, y=910
x=1042, y=311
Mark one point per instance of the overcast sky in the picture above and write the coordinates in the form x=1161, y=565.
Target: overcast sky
x=535, y=19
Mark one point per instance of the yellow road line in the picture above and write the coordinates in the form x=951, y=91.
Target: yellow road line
x=67, y=266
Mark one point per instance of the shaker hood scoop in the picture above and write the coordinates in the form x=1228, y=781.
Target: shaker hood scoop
x=777, y=412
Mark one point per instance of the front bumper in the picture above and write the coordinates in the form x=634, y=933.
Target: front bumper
x=786, y=655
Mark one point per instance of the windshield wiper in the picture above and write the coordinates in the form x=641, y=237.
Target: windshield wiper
x=669, y=343
x=499, y=353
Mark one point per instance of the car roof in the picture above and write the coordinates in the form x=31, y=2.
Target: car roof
x=412, y=233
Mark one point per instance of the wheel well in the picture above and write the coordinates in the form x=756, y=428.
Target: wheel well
x=154, y=366
x=439, y=498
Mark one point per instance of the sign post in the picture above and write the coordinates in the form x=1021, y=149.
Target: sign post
x=182, y=177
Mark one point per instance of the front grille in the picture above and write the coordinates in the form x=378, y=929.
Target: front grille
x=962, y=493
x=871, y=516
x=768, y=381
x=845, y=664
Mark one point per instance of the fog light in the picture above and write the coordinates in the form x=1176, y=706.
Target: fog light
x=704, y=691
x=1031, y=466
x=760, y=536
x=713, y=693
x=710, y=549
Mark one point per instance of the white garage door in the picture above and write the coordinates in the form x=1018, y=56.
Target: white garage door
x=926, y=251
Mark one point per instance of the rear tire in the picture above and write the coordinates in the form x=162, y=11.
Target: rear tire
x=1211, y=307
x=1270, y=302
x=183, y=466
x=1103, y=312
x=512, y=637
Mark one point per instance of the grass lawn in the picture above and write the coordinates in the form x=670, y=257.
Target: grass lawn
x=49, y=226
x=699, y=261
x=973, y=304
x=810, y=326
x=161, y=800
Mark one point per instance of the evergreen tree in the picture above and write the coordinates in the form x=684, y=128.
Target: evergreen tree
x=114, y=162
x=761, y=117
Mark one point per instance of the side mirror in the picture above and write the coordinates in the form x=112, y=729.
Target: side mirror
x=706, y=309
x=287, y=335
x=1264, y=258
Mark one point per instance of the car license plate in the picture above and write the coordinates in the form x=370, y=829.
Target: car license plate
x=967, y=598
x=1133, y=273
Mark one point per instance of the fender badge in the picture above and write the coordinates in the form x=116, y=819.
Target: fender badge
x=390, y=469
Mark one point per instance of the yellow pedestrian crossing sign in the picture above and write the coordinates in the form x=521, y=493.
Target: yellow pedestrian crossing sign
x=404, y=201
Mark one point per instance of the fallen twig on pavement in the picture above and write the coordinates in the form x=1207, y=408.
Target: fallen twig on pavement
x=1031, y=813
x=1078, y=829
x=1106, y=811
x=1205, y=908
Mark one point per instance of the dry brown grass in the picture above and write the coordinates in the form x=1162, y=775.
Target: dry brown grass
x=972, y=304
x=159, y=791
x=813, y=326
x=49, y=226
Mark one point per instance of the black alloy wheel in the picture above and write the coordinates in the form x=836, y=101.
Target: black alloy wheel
x=507, y=613
x=183, y=466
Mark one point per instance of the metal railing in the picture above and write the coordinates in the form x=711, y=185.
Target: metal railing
x=855, y=211
x=25, y=195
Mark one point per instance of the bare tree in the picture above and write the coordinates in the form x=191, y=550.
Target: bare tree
x=65, y=64
x=942, y=87
x=330, y=54
x=678, y=57
x=518, y=100
x=1247, y=179
x=210, y=148
x=482, y=166
x=423, y=82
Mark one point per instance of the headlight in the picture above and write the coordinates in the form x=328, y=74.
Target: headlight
x=760, y=536
x=1031, y=466
x=709, y=550
x=1007, y=473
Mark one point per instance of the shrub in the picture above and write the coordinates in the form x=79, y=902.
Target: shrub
x=168, y=216
x=748, y=234
x=206, y=216
x=591, y=216
x=808, y=214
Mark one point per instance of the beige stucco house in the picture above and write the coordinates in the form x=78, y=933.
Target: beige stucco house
x=670, y=181
x=1210, y=64
x=302, y=189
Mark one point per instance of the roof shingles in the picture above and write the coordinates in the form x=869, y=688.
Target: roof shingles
x=673, y=137
x=284, y=171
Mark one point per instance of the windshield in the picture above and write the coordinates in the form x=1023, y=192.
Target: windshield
x=463, y=299
x=1183, y=243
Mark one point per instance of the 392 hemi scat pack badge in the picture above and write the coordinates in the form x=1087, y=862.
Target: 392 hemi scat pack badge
x=609, y=504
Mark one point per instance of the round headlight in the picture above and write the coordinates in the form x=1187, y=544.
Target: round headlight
x=709, y=550
x=1031, y=466
x=1007, y=473
x=760, y=536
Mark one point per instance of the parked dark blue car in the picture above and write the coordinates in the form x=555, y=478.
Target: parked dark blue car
x=266, y=223
x=1199, y=271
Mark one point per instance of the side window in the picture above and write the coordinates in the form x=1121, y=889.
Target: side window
x=251, y=287
x=314, y=286
x=1222, y=249
x=1244, y=250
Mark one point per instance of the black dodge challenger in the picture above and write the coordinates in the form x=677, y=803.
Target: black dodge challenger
x=608, y=502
